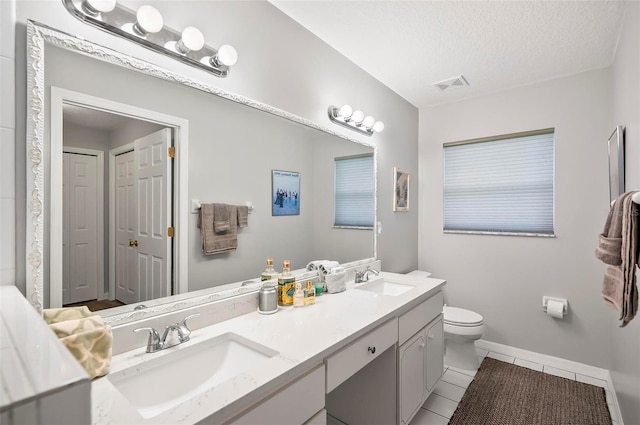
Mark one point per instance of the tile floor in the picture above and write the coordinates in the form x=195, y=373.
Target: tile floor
x=444, y=399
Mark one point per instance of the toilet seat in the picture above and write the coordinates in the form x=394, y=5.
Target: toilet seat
x=460, y=317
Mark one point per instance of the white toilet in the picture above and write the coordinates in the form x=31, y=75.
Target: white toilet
x=461, y=329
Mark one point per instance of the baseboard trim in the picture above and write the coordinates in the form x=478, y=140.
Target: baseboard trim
x=614, y=396
x=556, y=362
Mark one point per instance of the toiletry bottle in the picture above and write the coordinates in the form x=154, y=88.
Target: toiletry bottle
x=269, y=273
x=285, y=285
x=298, y=296
x=310, y=294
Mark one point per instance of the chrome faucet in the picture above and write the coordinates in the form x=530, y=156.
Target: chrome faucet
x=363, y=276
x=155, y=343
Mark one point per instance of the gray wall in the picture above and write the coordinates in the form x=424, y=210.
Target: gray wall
x=281, y=64
x=625, y=344
x=504, y=277
x=7, y=145
x=132, y=130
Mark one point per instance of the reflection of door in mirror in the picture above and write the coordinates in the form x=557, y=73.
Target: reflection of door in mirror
x=138, y=195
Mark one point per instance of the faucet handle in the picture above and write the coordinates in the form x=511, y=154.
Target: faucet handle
x=183, y=330
x=153, y=343
x=191, y=316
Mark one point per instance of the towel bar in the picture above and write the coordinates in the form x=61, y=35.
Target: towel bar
x=635, y=198
x=195, y=206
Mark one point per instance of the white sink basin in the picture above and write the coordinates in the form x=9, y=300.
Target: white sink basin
x=161, y=383
x=384, y=287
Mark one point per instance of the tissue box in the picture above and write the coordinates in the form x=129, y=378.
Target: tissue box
x=335, y=282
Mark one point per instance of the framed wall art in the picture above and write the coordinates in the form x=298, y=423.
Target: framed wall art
x=401, y=189
x=285, y=192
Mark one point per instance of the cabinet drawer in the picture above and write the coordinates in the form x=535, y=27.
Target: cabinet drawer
x=293, y=405
x=418, y=317
x=359, y=353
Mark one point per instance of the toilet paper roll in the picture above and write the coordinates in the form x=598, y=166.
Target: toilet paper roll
x=555, y=309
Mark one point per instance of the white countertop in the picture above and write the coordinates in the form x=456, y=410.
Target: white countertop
x=303, y=337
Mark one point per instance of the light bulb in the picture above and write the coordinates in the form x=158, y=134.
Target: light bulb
x=345, y=111
x=357, y=116
x=378, y=126
x=368, y=121
x=192, y=40
x=226, y=55
x=149, y=21
x=96, y=7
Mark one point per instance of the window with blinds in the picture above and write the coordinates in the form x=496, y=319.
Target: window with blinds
x=354, y=192
x=500, y=185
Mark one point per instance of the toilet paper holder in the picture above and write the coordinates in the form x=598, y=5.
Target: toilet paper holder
x=565, y=303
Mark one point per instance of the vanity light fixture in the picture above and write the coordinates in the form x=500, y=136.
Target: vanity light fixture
x=96, y=7
x=148, y=21
x=355, y=120
x=145, y=26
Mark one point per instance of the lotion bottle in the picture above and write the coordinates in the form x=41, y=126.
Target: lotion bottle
x=298, y=296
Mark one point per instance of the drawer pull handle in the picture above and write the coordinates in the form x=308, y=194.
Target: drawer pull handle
x=422, y=345
x=372, y=350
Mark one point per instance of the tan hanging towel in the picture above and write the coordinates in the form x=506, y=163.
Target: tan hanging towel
x=618, y=247
x=216, y=243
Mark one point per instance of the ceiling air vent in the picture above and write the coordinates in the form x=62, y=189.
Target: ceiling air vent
x=451, y=83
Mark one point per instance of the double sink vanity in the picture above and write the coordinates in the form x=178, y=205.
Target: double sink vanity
x=370, y=354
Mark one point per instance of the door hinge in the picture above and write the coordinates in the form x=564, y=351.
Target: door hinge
x=171, y=231
x=172, y=152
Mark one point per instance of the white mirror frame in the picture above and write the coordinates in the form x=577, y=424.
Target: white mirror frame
x=37, y=36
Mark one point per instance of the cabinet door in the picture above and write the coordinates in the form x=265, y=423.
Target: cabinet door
x=435, y=353
x=411, y=376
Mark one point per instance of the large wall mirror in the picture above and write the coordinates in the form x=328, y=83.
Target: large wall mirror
x=99, y=128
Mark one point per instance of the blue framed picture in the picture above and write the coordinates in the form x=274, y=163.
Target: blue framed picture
x=285, y=192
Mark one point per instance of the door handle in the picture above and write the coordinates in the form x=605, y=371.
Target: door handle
x=133, y=242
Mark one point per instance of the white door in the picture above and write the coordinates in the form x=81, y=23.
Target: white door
x=411, y=376
x=80, y=228
x=154, y=205
x=125, y=221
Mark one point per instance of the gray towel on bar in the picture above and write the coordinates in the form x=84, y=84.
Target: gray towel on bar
x=213, y=243
x=243, y=215
x=609, y=249
x=619, y=287
x=221, y=218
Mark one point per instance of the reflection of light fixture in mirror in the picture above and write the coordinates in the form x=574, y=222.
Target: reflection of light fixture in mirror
x=145, y=26
x=355, y=120
x=97, y=7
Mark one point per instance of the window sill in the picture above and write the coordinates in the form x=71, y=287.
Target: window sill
x=482, y=232
x=354, y=227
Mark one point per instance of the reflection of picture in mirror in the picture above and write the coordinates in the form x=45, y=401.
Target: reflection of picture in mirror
x=401, y=190
x=285, y=191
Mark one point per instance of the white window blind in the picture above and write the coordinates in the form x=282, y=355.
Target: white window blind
x=500, y=185
x=354, y=191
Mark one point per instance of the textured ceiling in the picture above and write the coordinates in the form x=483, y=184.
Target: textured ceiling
x=495, y=45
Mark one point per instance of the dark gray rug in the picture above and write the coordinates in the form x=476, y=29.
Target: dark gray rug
x=505, y=394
